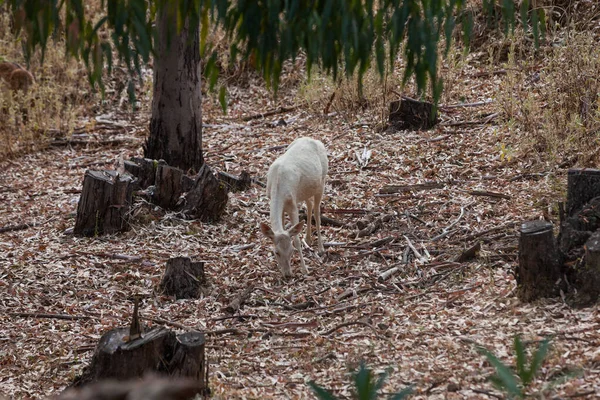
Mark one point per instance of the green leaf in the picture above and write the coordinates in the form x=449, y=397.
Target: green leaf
x=536, y=29
x=522, y=371
x=402, y=394
x=363, y=383
x=524, y=11
x=203, y=31
x=381, y=380
x=504, y=376
x=539, y=356
x=321, y=393
x=223, y=99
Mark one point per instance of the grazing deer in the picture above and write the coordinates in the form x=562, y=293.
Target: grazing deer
x=297, y=176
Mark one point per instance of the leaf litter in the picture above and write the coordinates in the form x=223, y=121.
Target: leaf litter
x=393, y=297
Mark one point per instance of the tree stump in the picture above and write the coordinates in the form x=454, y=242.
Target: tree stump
x=408, y=113
x=539, y=266
x=207, y=199
x=104, y=203
x=582, y=186
x=183, y=278
x=150, y=388
x=168, y=186
x=117, y=358
x=235, y=183
x=158, y=351
x=188, y=357
x=588, y=273
x=576, y=229
x=144, y=169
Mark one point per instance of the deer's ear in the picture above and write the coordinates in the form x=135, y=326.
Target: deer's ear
x=267, y=231
x=296, y=229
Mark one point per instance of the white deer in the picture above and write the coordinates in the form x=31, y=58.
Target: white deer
x=297, y=176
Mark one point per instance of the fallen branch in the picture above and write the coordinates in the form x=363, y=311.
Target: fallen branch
x=103, y=142
x=350, y=323
x=367, y=253
x=279, y=325
x=483, y=121
x=460, y=105
x=469, y=253
x=488, y=194
x=484, y=232
x=239, y=300
x=296, y=307
x=328, y=105
x=241, y=317
x=280, y=110
x=324, y=220
x=117, y=256
x=344, y=211
x=391, y=189
x=169, y=323
x=386, y=274
x=481, y=391
x=377, y=243
x=458, y=293
x=20, y=227
x=488, y=73
x=447, y=230
x=352, y=293
x=371, y=227
x=50, y=316
x=528, y=175
x=414, y=250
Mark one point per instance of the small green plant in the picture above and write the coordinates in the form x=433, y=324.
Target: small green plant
x=366, y=386
x=505, y=380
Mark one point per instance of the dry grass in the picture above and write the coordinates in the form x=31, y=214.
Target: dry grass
x=555, y=101
x=59, y=99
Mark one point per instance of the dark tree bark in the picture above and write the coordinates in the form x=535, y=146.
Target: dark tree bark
x=143, y=169
x=236, y=183
x=159, y=351
x=168, y=186
x=183, y=278
x=117, y=358
x=104, y=204
x=207, y=199
x=150, y=388
x=588, y=277
x=176, y=124
x=188, y=357
x=539, y=263
x=582, y=186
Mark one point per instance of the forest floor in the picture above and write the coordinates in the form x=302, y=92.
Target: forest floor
x=424, y=321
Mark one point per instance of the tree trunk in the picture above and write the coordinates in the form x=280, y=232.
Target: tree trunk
x=176, y=124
